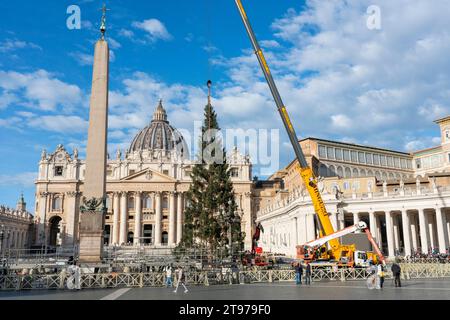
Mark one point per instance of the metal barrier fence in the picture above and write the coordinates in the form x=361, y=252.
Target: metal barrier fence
x=206, y=278
x=423, y=260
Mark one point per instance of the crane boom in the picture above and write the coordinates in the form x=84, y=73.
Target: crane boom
x=305, y=171
x=321, y=241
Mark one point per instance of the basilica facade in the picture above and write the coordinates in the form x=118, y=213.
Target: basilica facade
x=146, y=189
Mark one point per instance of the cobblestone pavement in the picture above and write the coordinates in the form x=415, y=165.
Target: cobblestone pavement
x=424, y=289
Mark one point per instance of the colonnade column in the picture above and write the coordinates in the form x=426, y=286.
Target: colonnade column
x=396, y=231
x=447, y=219
x=414, y=231
x=373, y=225
x=431, y=234
x=406, y=232
x=158, y=219
x=334, y=221
x=389, y=234
x=310, y=227
x=123, y=218
x=423, y=224
x=172, y=218
x=116, y=215
x=341, y=219
x=355, y=218
x=180, y=217
x=138, y=219
x=440, y=221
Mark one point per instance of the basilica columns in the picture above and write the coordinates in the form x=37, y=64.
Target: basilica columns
x=180, y=217
x=406, y=233
x=137, y=219
x=72, y=217
x=158, y=219
x=172, y=218
x=123, y=218
x=116, y=215
x=41, y=230
x=423, y=230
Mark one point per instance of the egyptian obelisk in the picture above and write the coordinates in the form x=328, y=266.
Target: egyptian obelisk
x=93, y=206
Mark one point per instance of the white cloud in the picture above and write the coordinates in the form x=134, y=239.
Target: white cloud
x=57, y=123
x=83, y=59
x=210, y=48
x=189, y=37
x=126, y=33
x=114, y=44
x=39, y=90
x=112, y=56
x=86, y=24
x=13, y=122
x=270, y=44
x=341, y=80
x=24, y=179
x=341, y=121
x=7, y=99
x=433, y=111
x=155, y=29
x=10, y=45
x=422, y=143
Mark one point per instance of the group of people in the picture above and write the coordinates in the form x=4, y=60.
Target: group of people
x=378, y=274
x=180, y=276
x=299, y=273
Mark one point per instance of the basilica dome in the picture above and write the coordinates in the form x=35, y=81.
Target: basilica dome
x=159, y=135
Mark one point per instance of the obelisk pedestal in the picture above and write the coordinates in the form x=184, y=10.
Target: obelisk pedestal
x=93, y=208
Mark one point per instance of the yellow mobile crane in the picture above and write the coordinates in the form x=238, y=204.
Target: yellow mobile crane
x=338, y=251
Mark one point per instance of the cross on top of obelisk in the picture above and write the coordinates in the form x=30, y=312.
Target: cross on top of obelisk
x=103, y=25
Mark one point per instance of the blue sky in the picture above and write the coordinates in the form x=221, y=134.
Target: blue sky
x=339, y=79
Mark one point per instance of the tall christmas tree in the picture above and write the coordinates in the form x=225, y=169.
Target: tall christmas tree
x=210, y=211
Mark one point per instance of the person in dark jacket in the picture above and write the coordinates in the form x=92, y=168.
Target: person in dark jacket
x=396, y=271
x=298, y=273
x=308, y=274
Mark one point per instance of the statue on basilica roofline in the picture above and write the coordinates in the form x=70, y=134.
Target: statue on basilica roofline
x=44, y=155
x=118, y=154
x=75, y=154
